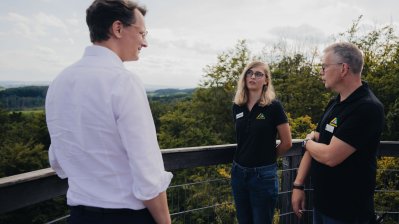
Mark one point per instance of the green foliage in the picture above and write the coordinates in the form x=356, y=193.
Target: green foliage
x=228, y=68
x=183, y=128
x=296, y=78
x=20, y=158
x=23, y=97
x=198, y=190
x=388, y=182
x=298, y=86
x=24, y=141
x=392, y=120
x=301, y=126
x=39, y=213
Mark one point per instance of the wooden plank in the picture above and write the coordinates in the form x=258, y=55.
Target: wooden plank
x=33, y=187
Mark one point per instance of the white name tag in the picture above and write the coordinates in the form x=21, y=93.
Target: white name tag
x=329, y=128
x=240, y=115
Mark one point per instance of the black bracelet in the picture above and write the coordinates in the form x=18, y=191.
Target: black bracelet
x=299, y=187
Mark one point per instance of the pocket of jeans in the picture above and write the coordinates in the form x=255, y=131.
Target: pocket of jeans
x=266, y=175
x=267, y=181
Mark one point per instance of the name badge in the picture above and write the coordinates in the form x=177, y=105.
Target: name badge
x=240, y=115
x=329, y=128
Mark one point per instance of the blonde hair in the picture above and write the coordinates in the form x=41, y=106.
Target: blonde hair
x=268, y=94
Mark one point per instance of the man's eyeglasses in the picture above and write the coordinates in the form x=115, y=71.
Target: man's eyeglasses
x=324, y=66
x=142, y=33
x=257, y=74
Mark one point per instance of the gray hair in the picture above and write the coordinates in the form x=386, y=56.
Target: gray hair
x=348, y=53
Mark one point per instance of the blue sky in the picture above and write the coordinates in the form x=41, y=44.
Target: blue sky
x=38, y=38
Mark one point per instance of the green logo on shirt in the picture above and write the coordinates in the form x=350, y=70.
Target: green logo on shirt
x=334, y=122
x=260, y=117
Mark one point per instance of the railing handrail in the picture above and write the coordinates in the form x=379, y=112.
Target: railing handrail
x=29, y=188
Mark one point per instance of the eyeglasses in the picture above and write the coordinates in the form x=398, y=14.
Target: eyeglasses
x=257, y=74
x=142, y=33
x=324, y=66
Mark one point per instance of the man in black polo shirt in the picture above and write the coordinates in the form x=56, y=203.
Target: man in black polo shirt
x=341, y=153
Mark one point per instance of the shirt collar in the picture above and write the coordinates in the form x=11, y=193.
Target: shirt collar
x=103, y=52
x=358, y=93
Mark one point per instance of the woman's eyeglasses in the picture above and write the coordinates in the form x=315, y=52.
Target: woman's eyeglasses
x=257, y=74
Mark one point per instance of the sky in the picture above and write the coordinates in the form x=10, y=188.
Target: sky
x=39, y=38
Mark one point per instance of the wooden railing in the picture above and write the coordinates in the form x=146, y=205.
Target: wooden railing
x=30, y=188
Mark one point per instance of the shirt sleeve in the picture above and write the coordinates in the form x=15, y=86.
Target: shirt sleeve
x=279, y=114
x=138, y=135
x=363, y=127
x=55, y=165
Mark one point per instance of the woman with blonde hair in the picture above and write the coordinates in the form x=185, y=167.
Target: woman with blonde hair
x=258, y=118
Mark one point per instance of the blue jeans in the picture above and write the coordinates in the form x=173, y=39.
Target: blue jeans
x=255, y=193
x=320, y=218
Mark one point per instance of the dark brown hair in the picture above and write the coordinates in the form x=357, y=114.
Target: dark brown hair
x=103, y=13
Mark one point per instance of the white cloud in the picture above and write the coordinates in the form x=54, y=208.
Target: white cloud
x=49, y=20
x=33, y=27
x=303, y=33
x=17, y=18
x=184, y=36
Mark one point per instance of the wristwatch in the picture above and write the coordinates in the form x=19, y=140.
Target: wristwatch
x=304, y=143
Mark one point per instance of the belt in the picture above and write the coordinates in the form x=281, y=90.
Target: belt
x=83, y=208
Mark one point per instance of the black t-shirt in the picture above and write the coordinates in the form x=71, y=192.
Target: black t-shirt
x=256, y=132
x=345, y=192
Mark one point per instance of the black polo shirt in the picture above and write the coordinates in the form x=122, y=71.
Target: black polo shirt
x=346, y=191
x=256, y=132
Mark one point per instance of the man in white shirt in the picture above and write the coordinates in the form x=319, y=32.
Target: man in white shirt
x=103, y=137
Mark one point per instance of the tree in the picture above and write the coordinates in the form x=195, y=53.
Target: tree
x=24, y=141
x=381, y=57
x=392, y=120
x=298, y=86
x=301, y=126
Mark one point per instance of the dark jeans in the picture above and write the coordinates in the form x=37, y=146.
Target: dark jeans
x=320, y=218
x=255, y=193
x=92, y=215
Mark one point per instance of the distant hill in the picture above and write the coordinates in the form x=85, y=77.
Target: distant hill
x=23, y=97
x=16, y=84
x=28, y=97
x=169, y=95
x=170, y=92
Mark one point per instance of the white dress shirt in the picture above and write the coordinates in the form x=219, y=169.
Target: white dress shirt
x=103, y=137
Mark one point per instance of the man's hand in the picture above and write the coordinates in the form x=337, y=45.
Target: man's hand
x=298, y=202
x=311, y=136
